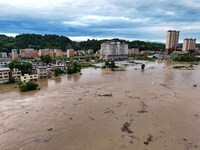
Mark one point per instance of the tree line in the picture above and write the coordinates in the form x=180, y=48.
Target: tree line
x=37, y=41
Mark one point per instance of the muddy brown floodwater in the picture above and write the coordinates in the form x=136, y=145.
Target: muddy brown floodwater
x=154, y=109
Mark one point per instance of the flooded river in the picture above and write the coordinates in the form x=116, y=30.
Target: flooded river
x=154, y=109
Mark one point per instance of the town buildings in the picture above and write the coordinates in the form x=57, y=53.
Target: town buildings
x=112, y=50
x=189, y=44
x=14, y=54
x=172, y=41
x=28, y=53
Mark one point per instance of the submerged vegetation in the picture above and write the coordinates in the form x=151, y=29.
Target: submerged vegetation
x=74, y=68
x=29, y=86
x=186, y=58
x=110, y=64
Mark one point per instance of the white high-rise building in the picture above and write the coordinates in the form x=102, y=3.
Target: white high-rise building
x=113, y=50
x=172, y=41
x=189, y=44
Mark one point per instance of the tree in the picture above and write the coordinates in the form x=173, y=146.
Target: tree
x=57, y=72
x=46, y=59
x=29, y=86
x=25, y=68
x=74, y=68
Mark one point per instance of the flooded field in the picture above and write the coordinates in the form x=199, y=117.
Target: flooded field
x=154, y=109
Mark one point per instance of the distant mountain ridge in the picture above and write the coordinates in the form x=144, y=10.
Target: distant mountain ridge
x=37, y=41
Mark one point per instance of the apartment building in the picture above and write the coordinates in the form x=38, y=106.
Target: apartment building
x=189, y=44
x=28, y=53
x=70, y=53
x=14, y=54
x=58, y=53
x=16, y=73
x=27, y=78
x=49, y=52
x=42, y=71
x=113, y=50
x=172, y=41
x=4, y=75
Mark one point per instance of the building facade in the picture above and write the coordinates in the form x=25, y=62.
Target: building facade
x=49, y=52
x=133, y=51
x=58, y=53
x=42, y=71
x=28, y=53
x=14, y=54
x=27, y=78
x=172, y=41
x=4, y=75
x=113, y=50
x=16, y=73
x=189, y=44
x=70, y=53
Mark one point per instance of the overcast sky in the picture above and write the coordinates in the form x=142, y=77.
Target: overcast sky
x=82, y=19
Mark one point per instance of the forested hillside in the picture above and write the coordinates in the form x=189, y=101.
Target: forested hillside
x=37, y=41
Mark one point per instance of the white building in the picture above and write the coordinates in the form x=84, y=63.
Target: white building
x=3, y=63
x=189, y=44
x=112, y=50
x=172, y=41
x=16, y=73
x=3, y=55
x=4, y=75
x=42, y=71
x=27, y=78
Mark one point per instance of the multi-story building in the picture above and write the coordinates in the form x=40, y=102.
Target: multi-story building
x=3, y=63
x=189, y=44
x=28, y=53
x=4, y=59
x=4, y=75
x=49, y=52
x=113, y=50
x=27, y=78
x=42, y=71
x=70, y=53
x=3, y=55
x=133, y=51
x=172, y=41
x=14, y=54
x=58, y=53
x=16, y=73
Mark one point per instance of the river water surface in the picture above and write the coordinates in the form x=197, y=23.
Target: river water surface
x=154, y=109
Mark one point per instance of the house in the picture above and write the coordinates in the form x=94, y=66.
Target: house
x=4, y=75
x=27, y=78
x=42, y=71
